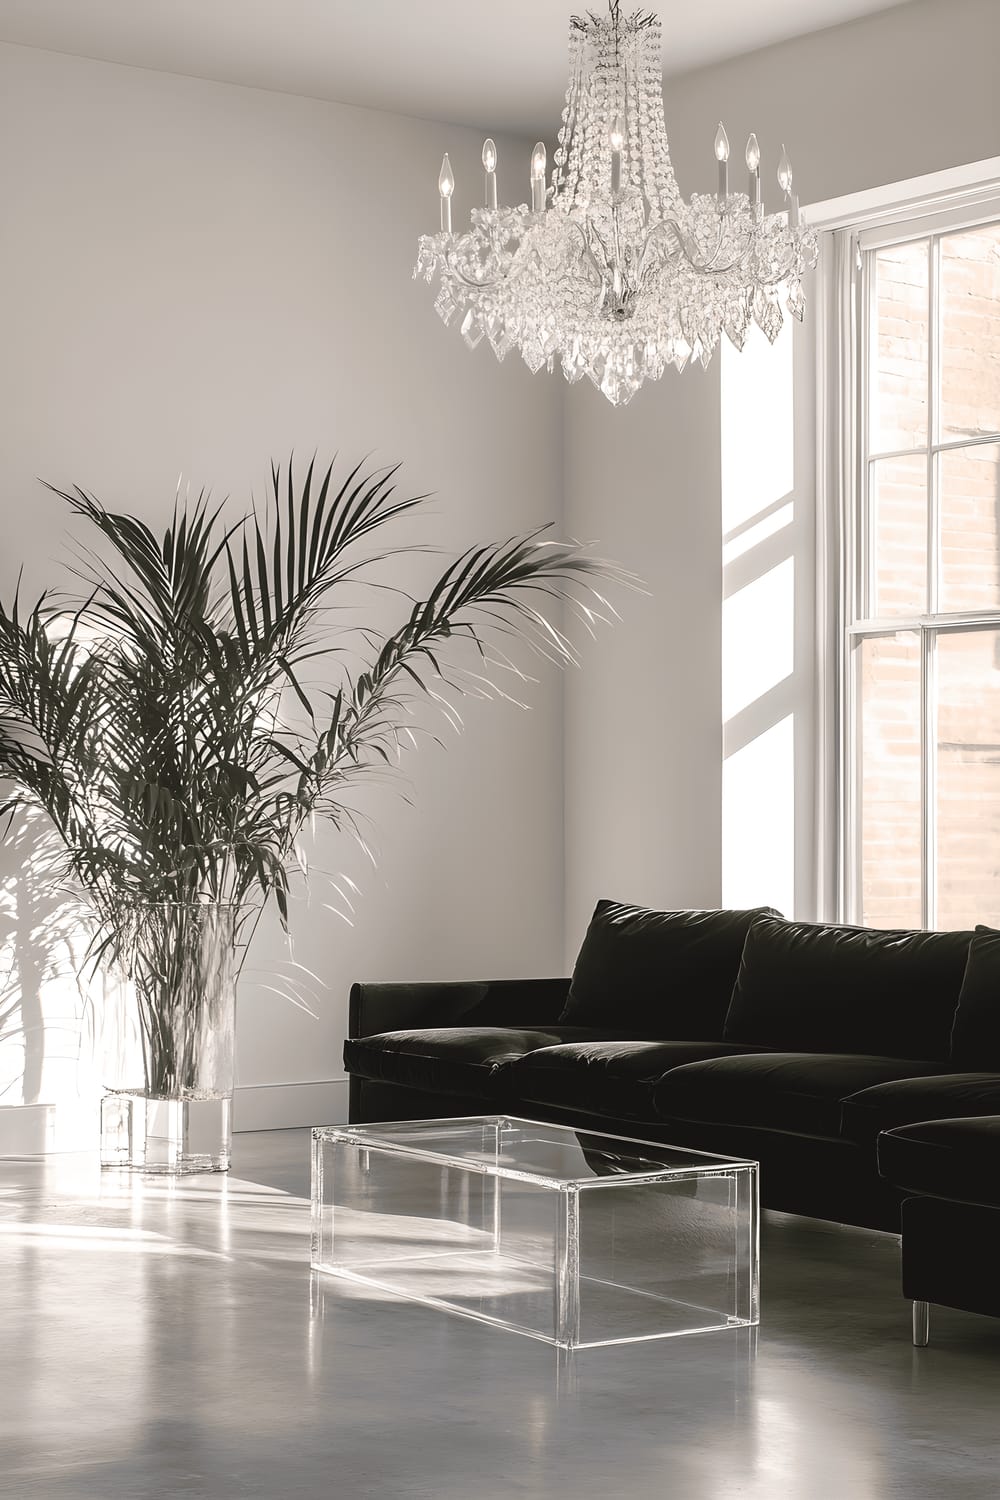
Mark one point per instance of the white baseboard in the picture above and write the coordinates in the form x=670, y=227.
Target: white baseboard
x=282, y=1106
x=73, y=1125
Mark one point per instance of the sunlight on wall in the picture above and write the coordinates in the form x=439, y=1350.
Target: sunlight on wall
x=757, y=449
x=742, y=539
x=758, y=825
x=758, y=624
x=758, y=640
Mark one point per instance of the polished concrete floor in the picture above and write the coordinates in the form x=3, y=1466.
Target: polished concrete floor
x=166, y=1339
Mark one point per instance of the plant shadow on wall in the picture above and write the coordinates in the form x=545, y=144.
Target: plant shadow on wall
x=182, y=724
x=46, y=1020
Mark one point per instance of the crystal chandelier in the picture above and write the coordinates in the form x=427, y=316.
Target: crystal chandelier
x=610, y=271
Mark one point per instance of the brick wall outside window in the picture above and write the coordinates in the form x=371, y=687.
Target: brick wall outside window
x=961, y=485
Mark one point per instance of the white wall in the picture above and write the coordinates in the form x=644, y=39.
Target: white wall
x=909, y=91
x=642, y=731
x=198, y=277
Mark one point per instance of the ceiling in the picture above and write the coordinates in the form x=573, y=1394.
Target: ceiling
x=500, y=66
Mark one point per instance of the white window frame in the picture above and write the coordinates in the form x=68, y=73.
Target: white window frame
x=849, y=229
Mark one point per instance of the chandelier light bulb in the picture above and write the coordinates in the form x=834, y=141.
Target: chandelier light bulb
x=490, y=164
x=446, y=186
x=623, y=277
x=722, y=157
x=538, y=178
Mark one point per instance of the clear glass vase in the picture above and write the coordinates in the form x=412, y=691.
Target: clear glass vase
x=181, y=960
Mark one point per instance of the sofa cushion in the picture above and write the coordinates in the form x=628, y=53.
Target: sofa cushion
x=451, y=1059
x=807, y=987
x=975, y=1034
x=795, y=1091
x=603, y=1078
x=954, y=1159
x=657, y=974
x=903, y=1101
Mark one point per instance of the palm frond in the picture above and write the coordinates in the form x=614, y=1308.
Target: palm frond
x=167, y=720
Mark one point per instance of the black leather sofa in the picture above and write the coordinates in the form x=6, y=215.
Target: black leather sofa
x=946, y=1167
x=950, y=1217
x=793, y=1043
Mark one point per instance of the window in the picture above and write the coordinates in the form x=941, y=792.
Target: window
x=921, y=650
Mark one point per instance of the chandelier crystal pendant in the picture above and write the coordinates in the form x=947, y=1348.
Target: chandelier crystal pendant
x=609, y=270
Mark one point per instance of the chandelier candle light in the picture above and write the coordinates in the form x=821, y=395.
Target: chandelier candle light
x=610, y=270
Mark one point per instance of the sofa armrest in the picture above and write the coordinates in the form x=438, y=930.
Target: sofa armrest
x=491, y=1002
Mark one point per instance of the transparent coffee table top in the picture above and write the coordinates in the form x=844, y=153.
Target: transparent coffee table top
x=554, y=1155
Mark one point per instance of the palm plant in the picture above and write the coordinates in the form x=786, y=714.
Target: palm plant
x=167, y=718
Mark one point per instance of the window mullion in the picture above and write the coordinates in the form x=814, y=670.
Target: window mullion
x=928, y=780
x=850, y=893
x=858, y=582
x=970, y=440
x=864, y=561
x=933, y=407
x=928, y=638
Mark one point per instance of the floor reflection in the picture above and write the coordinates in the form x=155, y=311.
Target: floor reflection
x=220, y=1368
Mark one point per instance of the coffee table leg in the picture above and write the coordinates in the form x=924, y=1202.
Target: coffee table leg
x=921, y=1324
x=568, y=1269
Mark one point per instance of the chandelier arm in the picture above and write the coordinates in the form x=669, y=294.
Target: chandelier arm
x=587, y=237
x=710, y=266
x=515, y=270
x=654, y=234
x=686, y=246
x=788, y=269
x=774, y=278
x=470, y=281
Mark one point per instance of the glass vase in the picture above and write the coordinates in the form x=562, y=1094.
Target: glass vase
x=181, y=962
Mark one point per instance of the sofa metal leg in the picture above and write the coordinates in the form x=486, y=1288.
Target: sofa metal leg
x=921, y=1324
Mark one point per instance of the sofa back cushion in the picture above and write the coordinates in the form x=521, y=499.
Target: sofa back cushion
x=975, y=1035
x=659, y=975
x=808, y=987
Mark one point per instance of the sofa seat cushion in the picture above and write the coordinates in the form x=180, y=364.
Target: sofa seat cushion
x=603, y=1078
x=904, y=1101
x=806, y=986
x=956, y=1159
x=451, y=1059
x=659, y=975
x=794, y=1091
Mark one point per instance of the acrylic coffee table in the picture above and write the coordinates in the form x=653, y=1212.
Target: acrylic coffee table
x=573, y=1238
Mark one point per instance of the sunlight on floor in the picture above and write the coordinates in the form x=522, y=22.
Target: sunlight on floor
x=103, y=1240
x=74, y=1206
